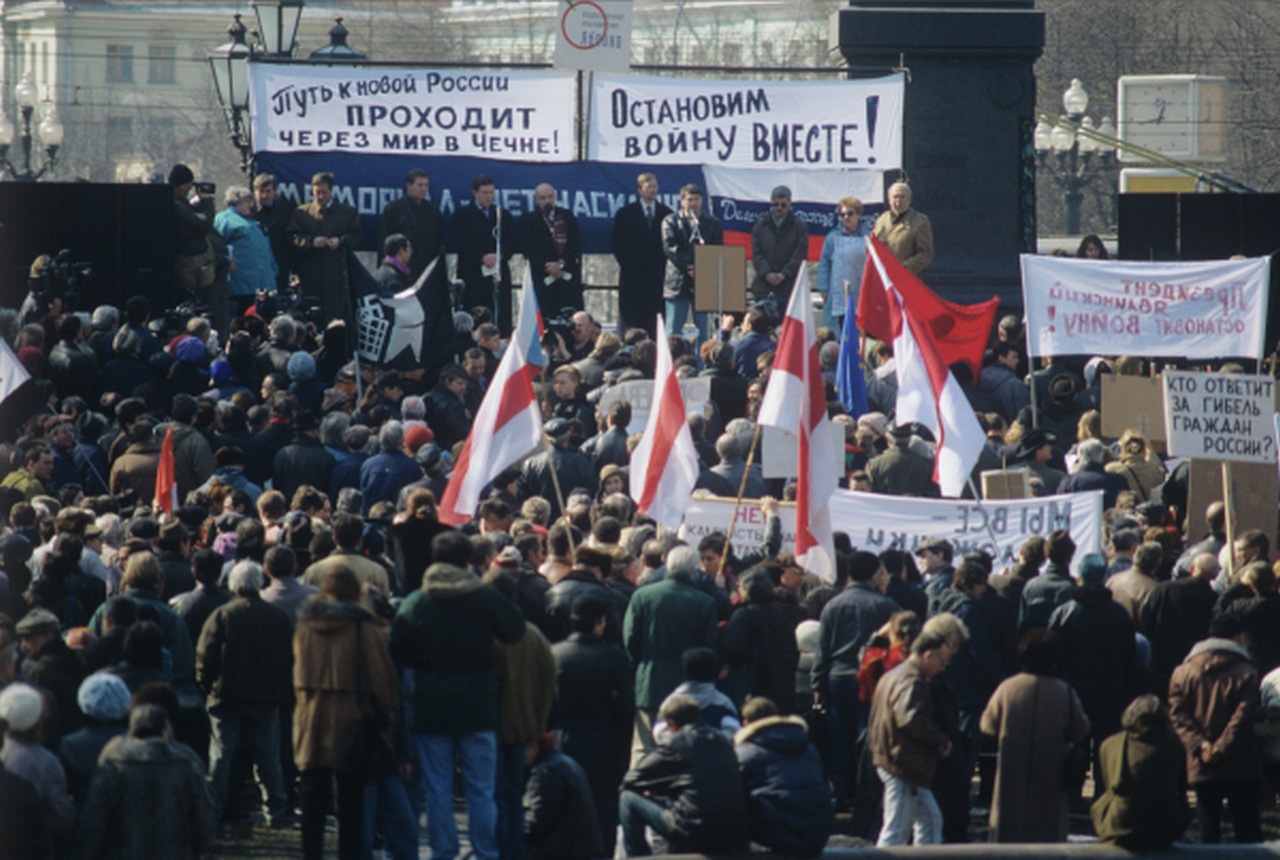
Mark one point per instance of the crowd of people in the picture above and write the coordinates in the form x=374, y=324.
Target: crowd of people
x=301, y=636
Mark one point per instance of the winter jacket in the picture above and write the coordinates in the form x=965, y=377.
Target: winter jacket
x=446, y=632
x=578, y=584
x=245, y=655
x=59, y=670
x=608, y=447
x=759, y=648
x=148, y=799
x=325, y=680
x=527, y=672
x=778, y=248
x=695, y=775
x=848, y=623
x=172, y=628
x=192, y=459
x=903, y=733
x=1144, y=805
x=255, y=265
x=662, y=621
x=1043, y=594
x=383, y=474
x=135, y=470
x=561, y=821
x=1007, y=393
x=1212, y=699
x=789, y=805
x=1094, y=477
x=304, y=462
x=1099, y=658
x=572, y=468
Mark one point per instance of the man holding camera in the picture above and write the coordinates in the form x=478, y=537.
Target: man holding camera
x=194, y=264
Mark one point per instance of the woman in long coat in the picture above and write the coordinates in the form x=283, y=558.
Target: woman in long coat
x=1031, y=715
x=1144, y=806
x=325, y=685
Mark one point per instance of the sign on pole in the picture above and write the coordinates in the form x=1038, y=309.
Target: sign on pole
x=1220, y=416
x=594, y=36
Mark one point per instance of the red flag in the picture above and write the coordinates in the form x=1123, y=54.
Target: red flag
x=166, y=484
x=958, y=332
x=794, y=402
x=927, y=390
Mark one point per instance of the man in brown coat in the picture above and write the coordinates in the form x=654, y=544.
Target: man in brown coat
x=135, y=470
x=906, y=741
x=1212, y=699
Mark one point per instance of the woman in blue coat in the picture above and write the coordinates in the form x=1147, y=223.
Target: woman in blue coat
x=253, y=267
x=844, y=253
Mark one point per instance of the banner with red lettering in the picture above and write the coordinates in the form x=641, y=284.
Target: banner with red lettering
x=1212, y=309
x=817, y=125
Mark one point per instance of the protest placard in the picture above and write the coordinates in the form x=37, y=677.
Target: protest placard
x=594, y=36
x=1133, y=403
x=1220, y=416
x=696, y=393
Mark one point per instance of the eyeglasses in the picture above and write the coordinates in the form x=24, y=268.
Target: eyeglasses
x=848, y=214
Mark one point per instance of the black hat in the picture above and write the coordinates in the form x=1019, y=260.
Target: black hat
x=558, y=428
x=306, y=420
x=181, y=175
x=1033, y=441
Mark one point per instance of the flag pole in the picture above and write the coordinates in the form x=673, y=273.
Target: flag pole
x=555, y=481
x=737, y=503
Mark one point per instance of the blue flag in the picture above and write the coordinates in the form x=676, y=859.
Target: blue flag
x=851, y=385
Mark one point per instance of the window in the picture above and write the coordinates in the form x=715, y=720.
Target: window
x=161, y=65
x=119, y=64
x=119, y=135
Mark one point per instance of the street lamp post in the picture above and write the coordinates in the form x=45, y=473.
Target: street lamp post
x=50, y=129
x=1079, y=158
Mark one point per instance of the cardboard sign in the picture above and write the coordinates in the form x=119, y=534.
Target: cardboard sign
x=595, y=36
x=1220, y=416
x=1256, y=487
x=1133, y=403
x=720, y=278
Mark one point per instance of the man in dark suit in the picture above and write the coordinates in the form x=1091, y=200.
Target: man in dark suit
x=637, y=246
x=417, y=218
x=320, y=232
x=553, y=247
x=682, y=232
x=479, y=227
x=274, y=214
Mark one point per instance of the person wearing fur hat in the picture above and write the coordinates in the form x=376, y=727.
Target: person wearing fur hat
x=104, y=700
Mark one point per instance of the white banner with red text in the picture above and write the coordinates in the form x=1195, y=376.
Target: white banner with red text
x=1197, y=310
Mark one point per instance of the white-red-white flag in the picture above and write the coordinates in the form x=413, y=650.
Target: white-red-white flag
x=166, y=498
x=928, y=393
x=664, y=466
x=508, y=424
x=795, y=402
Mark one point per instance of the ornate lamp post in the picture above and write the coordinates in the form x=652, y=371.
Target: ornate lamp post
x=1079, y=158
x=230, y=67
x=50, y=130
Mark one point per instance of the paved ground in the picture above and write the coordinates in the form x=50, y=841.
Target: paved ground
x=261, y=843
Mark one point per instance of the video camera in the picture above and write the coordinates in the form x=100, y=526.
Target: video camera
x=57, y=277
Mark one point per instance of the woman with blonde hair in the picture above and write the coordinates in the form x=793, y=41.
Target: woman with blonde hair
x=1138, y=464
x=844, y=251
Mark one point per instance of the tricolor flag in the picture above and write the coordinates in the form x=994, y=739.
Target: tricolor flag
x=664, y=466
x=795, y=403
x=166, y=482
x=927, y=390
x=508, y=424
